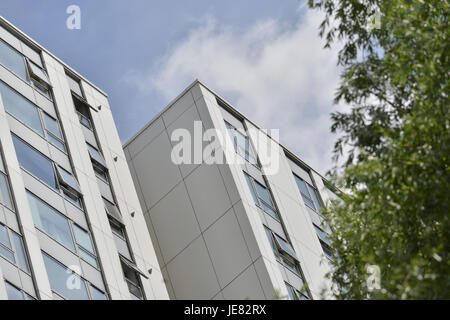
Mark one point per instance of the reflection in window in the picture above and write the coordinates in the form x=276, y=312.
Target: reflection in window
x=13, y=293
x=85, y=246
x=12, y=60
x=21, y=108
x=34, y=162
x=11, y=248
x=50, y=221
x=59, y=276
x=97, y=294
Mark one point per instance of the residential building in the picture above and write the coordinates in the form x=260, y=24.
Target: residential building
x=247, y=229
x=71, y=226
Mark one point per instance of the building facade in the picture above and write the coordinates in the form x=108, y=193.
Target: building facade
x=71, y=226
x=248, y=227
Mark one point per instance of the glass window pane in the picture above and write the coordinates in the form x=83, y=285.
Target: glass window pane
x=309, y=202
x=272, y=244
x=314, y=196
x=263, y=193
x=290, y=292
x=97, y=294
x=105, y=190
x=56, y=142
x=21, y=108
x=35, y=162
x=63, y=281
x=68, y=179
x=12, y=60
x=122, y=246
x=4, y=237
x=38, y=72
x=74, y=86
x=112, y=210
x=250, y=186
x=83, y=238
x=2, y=167
x=5, y=195
x=52, y=125
x=301, y=185
x=13, y=293
x=20, y=252
x=42, y=89
x=269, y=210
x=88, y=257
x=50, y=221
x=95, y=154
x=286, y=247
x=7, y=254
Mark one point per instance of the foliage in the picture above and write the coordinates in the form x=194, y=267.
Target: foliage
x=396, y=136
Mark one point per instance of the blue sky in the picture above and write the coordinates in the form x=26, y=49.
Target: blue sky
x=263, y=56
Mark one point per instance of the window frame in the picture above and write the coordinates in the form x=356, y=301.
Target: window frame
x=12, y=249
x=248, y=153
x=253, y=190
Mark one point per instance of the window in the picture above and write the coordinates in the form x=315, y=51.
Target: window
x=112, y=210
x=95, y=155
x=309, y=194
x=103, y=183
x=295, y=294
x=5, y=194
x=85, y=246
x=14, y=293
x=241, y=144
x=133, y=281
x=283, y=252
x=96, y=294
x=284, y=246
x=120, y=238
x=59, y=276
x=12, y=60
x=6, y=249
x=44, y=169
x=19, y=107
x=39, y=79
x=51, y=221
x=75, y=86
x=323, y=236
x=11, y=248
x=261, y=196
x=83, y=113
x=34, y=162
x=54, y=132
x=38, y=73
x=68, y=180
x=20, y=251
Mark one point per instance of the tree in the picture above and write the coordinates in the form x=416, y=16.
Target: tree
x=393, y=147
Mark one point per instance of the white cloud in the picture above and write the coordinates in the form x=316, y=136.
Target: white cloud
x=277, y=74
